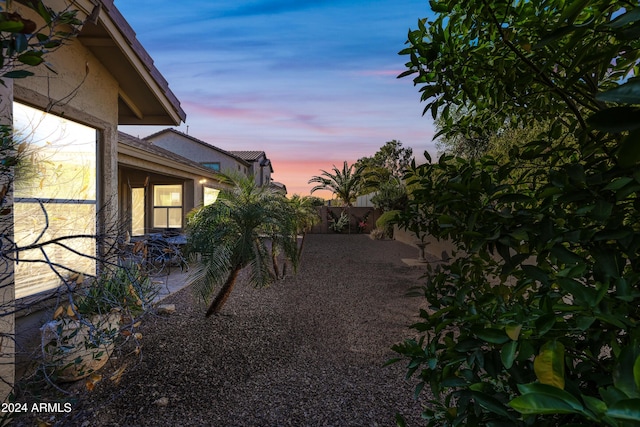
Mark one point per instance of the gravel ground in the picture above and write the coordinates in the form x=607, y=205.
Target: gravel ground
x=308, y=351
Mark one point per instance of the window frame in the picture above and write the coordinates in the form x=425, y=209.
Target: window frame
x=167, y=208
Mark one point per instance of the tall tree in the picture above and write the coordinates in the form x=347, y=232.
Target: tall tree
x=244, y=227
x=392, y=159
x=345, y=184
x=535, y=321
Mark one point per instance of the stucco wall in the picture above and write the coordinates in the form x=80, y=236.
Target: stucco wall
x=7, y=318
x=83, y=91
x=196, y=151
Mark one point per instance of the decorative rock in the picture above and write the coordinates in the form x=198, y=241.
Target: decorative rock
x=163, y=401
x=166, y=308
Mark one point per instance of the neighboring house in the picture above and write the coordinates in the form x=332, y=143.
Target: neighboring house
x=254, y=164
x=199, y=151
x=278, y=186
x=261, y=167
x=157, y=188
x=104, y=78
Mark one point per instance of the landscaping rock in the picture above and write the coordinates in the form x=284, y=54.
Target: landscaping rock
x=166, y=309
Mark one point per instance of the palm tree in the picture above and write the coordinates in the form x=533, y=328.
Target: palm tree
x=345, y=184
x=242, y=228
x=305, y=214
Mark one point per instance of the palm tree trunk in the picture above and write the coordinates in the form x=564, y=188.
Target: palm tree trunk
x=224, y=293
x=274, y=261
x=301, y=245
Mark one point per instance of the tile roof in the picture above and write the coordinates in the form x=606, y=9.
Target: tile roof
x=250, y=156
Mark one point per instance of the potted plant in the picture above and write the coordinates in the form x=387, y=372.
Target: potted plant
x=83, y=333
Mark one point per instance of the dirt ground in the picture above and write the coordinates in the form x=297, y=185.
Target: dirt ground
x=307, y=351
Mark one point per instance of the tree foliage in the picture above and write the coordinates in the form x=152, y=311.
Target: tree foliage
x=535, y=321
x=390, y=160
x=246, y=226
x=26, y=43
x=346, y=184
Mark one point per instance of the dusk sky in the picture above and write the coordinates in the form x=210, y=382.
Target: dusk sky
x=311, y=83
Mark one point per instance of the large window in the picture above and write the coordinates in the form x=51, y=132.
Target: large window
x=167, y=206
x=55, y=199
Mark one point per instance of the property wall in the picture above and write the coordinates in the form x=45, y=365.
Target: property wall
x=356, y=215
x=196, y=152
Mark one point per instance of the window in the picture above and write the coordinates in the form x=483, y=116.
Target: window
x=210, y=195
x=54, y=198
x=137, y=211
x=167, y=206
x=214, y=166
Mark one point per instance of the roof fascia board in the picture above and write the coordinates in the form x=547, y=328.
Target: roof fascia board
x=150, y=157
x=123, y=36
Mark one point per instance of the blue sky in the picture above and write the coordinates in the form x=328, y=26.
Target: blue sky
x=311, y=83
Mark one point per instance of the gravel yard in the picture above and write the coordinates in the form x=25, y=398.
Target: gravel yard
x=308, y=351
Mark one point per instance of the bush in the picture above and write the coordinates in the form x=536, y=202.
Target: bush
x=386, y=220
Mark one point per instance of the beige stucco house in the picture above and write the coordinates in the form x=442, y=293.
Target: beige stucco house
x=196, y=150
x=254, y=164
x=69, y=123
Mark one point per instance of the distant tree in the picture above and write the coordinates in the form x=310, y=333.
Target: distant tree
x=345, y=184
x=305, y=214
x=390, y=195
x=390, y=160
x=245, y=227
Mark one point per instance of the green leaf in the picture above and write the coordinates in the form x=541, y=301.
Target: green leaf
x=17, y=74
x=628, y=409
x=537, y=388
x=628, y=93
x=31, y=58
x=538, y=403
x=508, y=353
x=616, y=119
x=491, y=335
x=548, y=365
x=624, y=375
x=11, y=26
x=545, y=323
x=490, y=403
x=632, y=15
x=580, y=291
x=636, y=372
x=628, y=153
x=513, y=330
x=618, y=183
x=564, y=255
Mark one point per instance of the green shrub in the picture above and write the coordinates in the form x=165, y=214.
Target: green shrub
x=386, y=220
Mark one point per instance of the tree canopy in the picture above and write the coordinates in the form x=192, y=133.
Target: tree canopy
x=535, y=319
x=346, y=183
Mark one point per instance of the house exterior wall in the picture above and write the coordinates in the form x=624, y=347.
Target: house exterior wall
x=7, y=291
x=85, y=92
x=197, y=152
